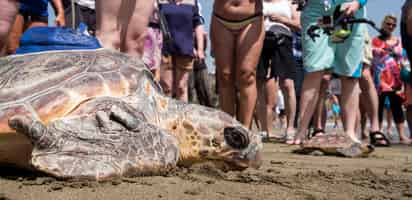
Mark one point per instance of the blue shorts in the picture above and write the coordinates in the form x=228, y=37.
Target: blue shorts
x=36, y=8
x=322, y=54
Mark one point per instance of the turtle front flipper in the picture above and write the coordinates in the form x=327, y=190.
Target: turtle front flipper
x=356, y=150
x=83, y=147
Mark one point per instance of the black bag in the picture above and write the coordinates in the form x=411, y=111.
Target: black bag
x=164, y=27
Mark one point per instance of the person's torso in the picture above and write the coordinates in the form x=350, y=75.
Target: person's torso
x=386, y=63
x=181, y=17
x=237, y=9
x=281, y=8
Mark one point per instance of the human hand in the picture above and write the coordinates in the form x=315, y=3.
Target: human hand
x=350, y=8
x=278, y=18
x=60, y=20
x=200, y=54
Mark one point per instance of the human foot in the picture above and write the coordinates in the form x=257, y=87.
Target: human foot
x=377, y=138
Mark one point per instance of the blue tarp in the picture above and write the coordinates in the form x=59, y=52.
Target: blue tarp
x=38, y=39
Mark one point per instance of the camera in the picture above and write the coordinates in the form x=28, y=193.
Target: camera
x=301, y=4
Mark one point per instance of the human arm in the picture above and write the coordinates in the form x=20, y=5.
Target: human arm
x=59, y=11
x=293, y=23
x=352, y=7
x=199, y=31
x=200, y=37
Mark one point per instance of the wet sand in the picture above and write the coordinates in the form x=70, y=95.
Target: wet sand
x=386, y=174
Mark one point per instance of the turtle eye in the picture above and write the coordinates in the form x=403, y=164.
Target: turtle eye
x=236, y=138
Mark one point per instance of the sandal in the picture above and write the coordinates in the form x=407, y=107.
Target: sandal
x=379, y=139
x=316, y=132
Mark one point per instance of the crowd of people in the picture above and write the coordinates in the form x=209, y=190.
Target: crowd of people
x=259, y=47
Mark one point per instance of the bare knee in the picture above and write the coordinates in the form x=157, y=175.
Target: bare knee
x=247, y=79
x=181, y=90
x=226, y=80
x=167, y=87
x=288, y=84
x=134, y=43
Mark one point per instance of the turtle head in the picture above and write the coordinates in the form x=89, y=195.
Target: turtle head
x=211, y=135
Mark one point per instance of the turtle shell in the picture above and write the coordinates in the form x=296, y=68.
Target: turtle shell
x=52, y=85
x=336, y=144
x=328, y=143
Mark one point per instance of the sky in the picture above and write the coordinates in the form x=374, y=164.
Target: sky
x=376, y=9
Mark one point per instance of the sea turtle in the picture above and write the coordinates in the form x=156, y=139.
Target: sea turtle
x=99, y=114
x=335, y=144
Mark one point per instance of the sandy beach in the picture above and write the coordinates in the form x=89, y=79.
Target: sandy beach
x=386, y=174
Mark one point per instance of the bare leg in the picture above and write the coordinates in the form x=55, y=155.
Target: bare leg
x=318, y=116
x=267, y=91
x=8, y=11
x=363, y=116
x=309, y=98
x=121, y=24
x=15, y=34
x=182, y=66
x=349, y=103
x=288, y=89
x=135, y=32
x=223, y=45
x=389, y=118
x=408, y=92
x=369, y=98
x=108, y=24
x=249, y=45
x=166, y=75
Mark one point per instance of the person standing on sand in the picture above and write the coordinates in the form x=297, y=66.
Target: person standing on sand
x=186, y=26
x=386, y=65
x=237, y=35
x=277, y=65
x=322, y=55
x=121, y=24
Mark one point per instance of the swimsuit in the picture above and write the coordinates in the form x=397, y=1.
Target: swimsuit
x=238, y=24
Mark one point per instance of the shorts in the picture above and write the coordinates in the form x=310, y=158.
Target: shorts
x=184, y=63
x=335, y=109
x=276, y=59
x=30, y=17
x=322, y=54
x=152, y=51
x=34, y=10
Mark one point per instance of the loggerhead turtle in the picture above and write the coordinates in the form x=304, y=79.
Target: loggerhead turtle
x=99, y=114
x=335, y=144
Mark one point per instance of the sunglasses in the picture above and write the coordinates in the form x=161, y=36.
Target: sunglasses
x=390, y=24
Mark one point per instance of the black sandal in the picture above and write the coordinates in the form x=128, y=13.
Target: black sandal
x=379, y=139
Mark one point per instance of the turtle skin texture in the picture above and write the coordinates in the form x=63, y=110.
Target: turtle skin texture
x=335, y=144
x=99, y=114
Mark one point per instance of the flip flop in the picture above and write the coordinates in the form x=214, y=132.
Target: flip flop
x=379, y=139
